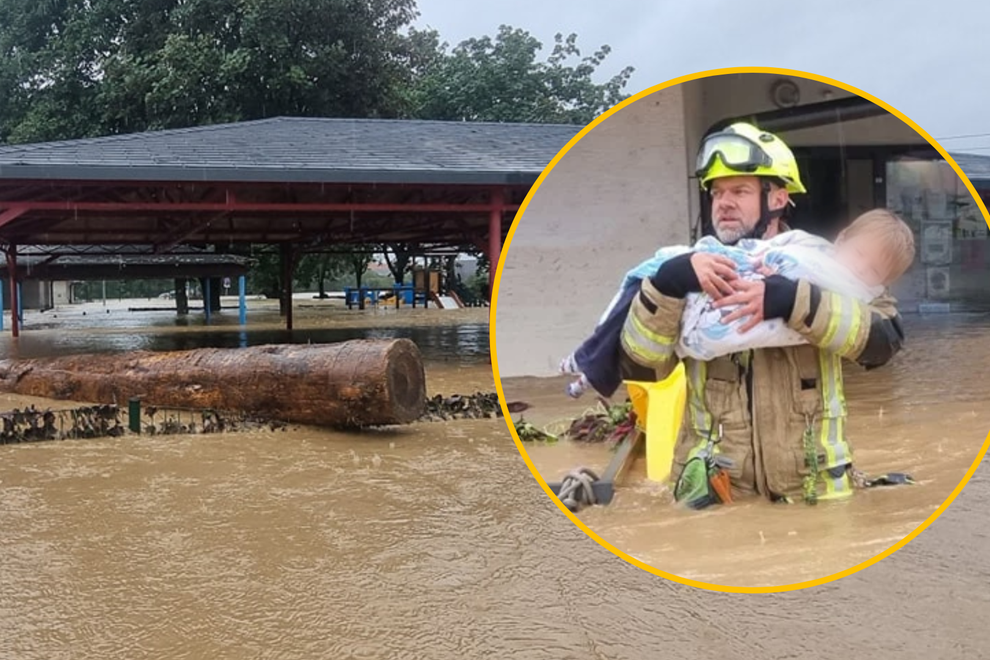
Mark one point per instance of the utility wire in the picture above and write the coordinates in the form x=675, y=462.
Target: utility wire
x=960, y=137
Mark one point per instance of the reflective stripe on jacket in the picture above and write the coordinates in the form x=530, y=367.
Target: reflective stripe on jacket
x=765, y=400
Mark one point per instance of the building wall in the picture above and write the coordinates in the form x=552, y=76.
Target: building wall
x=39, y=295
x=35, y=293
x=616, y=196
x=740, y=94
x=953, y=260
x=61, y=293
x=466, y=267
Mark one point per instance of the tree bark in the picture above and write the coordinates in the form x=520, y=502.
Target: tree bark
x=286, y=268
x=398, y=267
x=352, y=384
x=215, y=293
x=181, y=297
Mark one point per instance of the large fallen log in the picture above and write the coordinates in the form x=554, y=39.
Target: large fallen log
x=347, y=385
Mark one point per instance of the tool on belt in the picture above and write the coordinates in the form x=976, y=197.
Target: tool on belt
x=704, y=481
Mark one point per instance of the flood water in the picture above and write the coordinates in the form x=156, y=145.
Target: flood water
x=926, y=414
x=435, y=541
x=442, y=335
x=260, y=544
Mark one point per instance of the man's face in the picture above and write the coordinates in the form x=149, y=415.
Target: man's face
x=736, y=206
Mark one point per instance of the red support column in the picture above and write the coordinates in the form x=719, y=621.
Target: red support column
x=15, y=323
x=494, y=237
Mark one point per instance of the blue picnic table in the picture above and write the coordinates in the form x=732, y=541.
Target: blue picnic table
x=373, y=294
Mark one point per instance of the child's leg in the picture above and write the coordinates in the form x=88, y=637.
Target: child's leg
x=569, y=365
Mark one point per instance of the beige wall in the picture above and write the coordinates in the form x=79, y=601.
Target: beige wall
x=61, y=293
x=615, y=197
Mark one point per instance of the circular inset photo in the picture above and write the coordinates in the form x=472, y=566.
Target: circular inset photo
x=744, y=316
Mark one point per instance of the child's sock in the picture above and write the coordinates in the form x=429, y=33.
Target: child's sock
x=578, y=387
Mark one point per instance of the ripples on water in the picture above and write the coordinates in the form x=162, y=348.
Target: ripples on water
x=926, y=414
x=285, y=545
x=454, y=335
x=434, y=541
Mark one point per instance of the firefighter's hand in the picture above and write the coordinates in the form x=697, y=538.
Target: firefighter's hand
x=714, y=272
x=748, y=296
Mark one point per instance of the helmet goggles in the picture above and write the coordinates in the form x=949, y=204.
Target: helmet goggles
x=737, y=152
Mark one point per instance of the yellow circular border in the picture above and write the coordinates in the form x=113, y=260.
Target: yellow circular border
x=498, y=381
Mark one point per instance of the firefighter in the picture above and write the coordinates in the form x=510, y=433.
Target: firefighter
x=775, y=417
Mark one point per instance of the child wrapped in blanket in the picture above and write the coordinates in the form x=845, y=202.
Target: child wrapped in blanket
x=866, y=258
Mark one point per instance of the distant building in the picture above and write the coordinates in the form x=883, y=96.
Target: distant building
x=42, y=294
x=466, y=266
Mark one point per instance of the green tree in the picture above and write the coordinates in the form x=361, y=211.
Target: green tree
x=397, y=257
x=78, y=68
x=319, y=269
x=501, y=79
x=357, y=259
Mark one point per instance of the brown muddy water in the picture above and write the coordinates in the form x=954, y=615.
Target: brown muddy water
x=431, y=541
x=926, y=414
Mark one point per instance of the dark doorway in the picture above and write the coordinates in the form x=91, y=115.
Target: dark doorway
x=842, y=183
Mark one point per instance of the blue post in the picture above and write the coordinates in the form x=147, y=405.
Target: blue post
x=242, y=298
x=20, y=304
x=206, y=298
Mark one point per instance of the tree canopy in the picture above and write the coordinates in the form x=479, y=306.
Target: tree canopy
x=503, y=80
x=81, y=68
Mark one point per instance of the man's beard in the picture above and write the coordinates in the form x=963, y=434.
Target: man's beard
x=731, y=235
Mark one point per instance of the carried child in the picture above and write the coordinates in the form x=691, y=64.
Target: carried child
x=867, y=257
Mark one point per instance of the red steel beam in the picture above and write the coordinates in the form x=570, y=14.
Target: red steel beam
x=76, y=184
x=12, y=213
x=189, y=232
x=494, y=236
x=15, y=322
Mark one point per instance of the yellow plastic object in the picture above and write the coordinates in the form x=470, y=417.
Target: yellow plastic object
x=659, y=408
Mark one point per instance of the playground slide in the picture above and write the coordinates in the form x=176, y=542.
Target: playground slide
x=659, y=408
x=445, y=302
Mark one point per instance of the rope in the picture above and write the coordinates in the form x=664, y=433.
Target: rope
x=810, y=482
x=577, y=489
x=863, y=480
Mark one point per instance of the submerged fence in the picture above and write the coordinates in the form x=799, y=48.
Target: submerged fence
x=109, y=421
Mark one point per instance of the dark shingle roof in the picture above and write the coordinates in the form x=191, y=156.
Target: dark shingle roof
x=285, y=149
x=975, y=166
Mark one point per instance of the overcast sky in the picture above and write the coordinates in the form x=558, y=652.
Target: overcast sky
x=927, y=59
